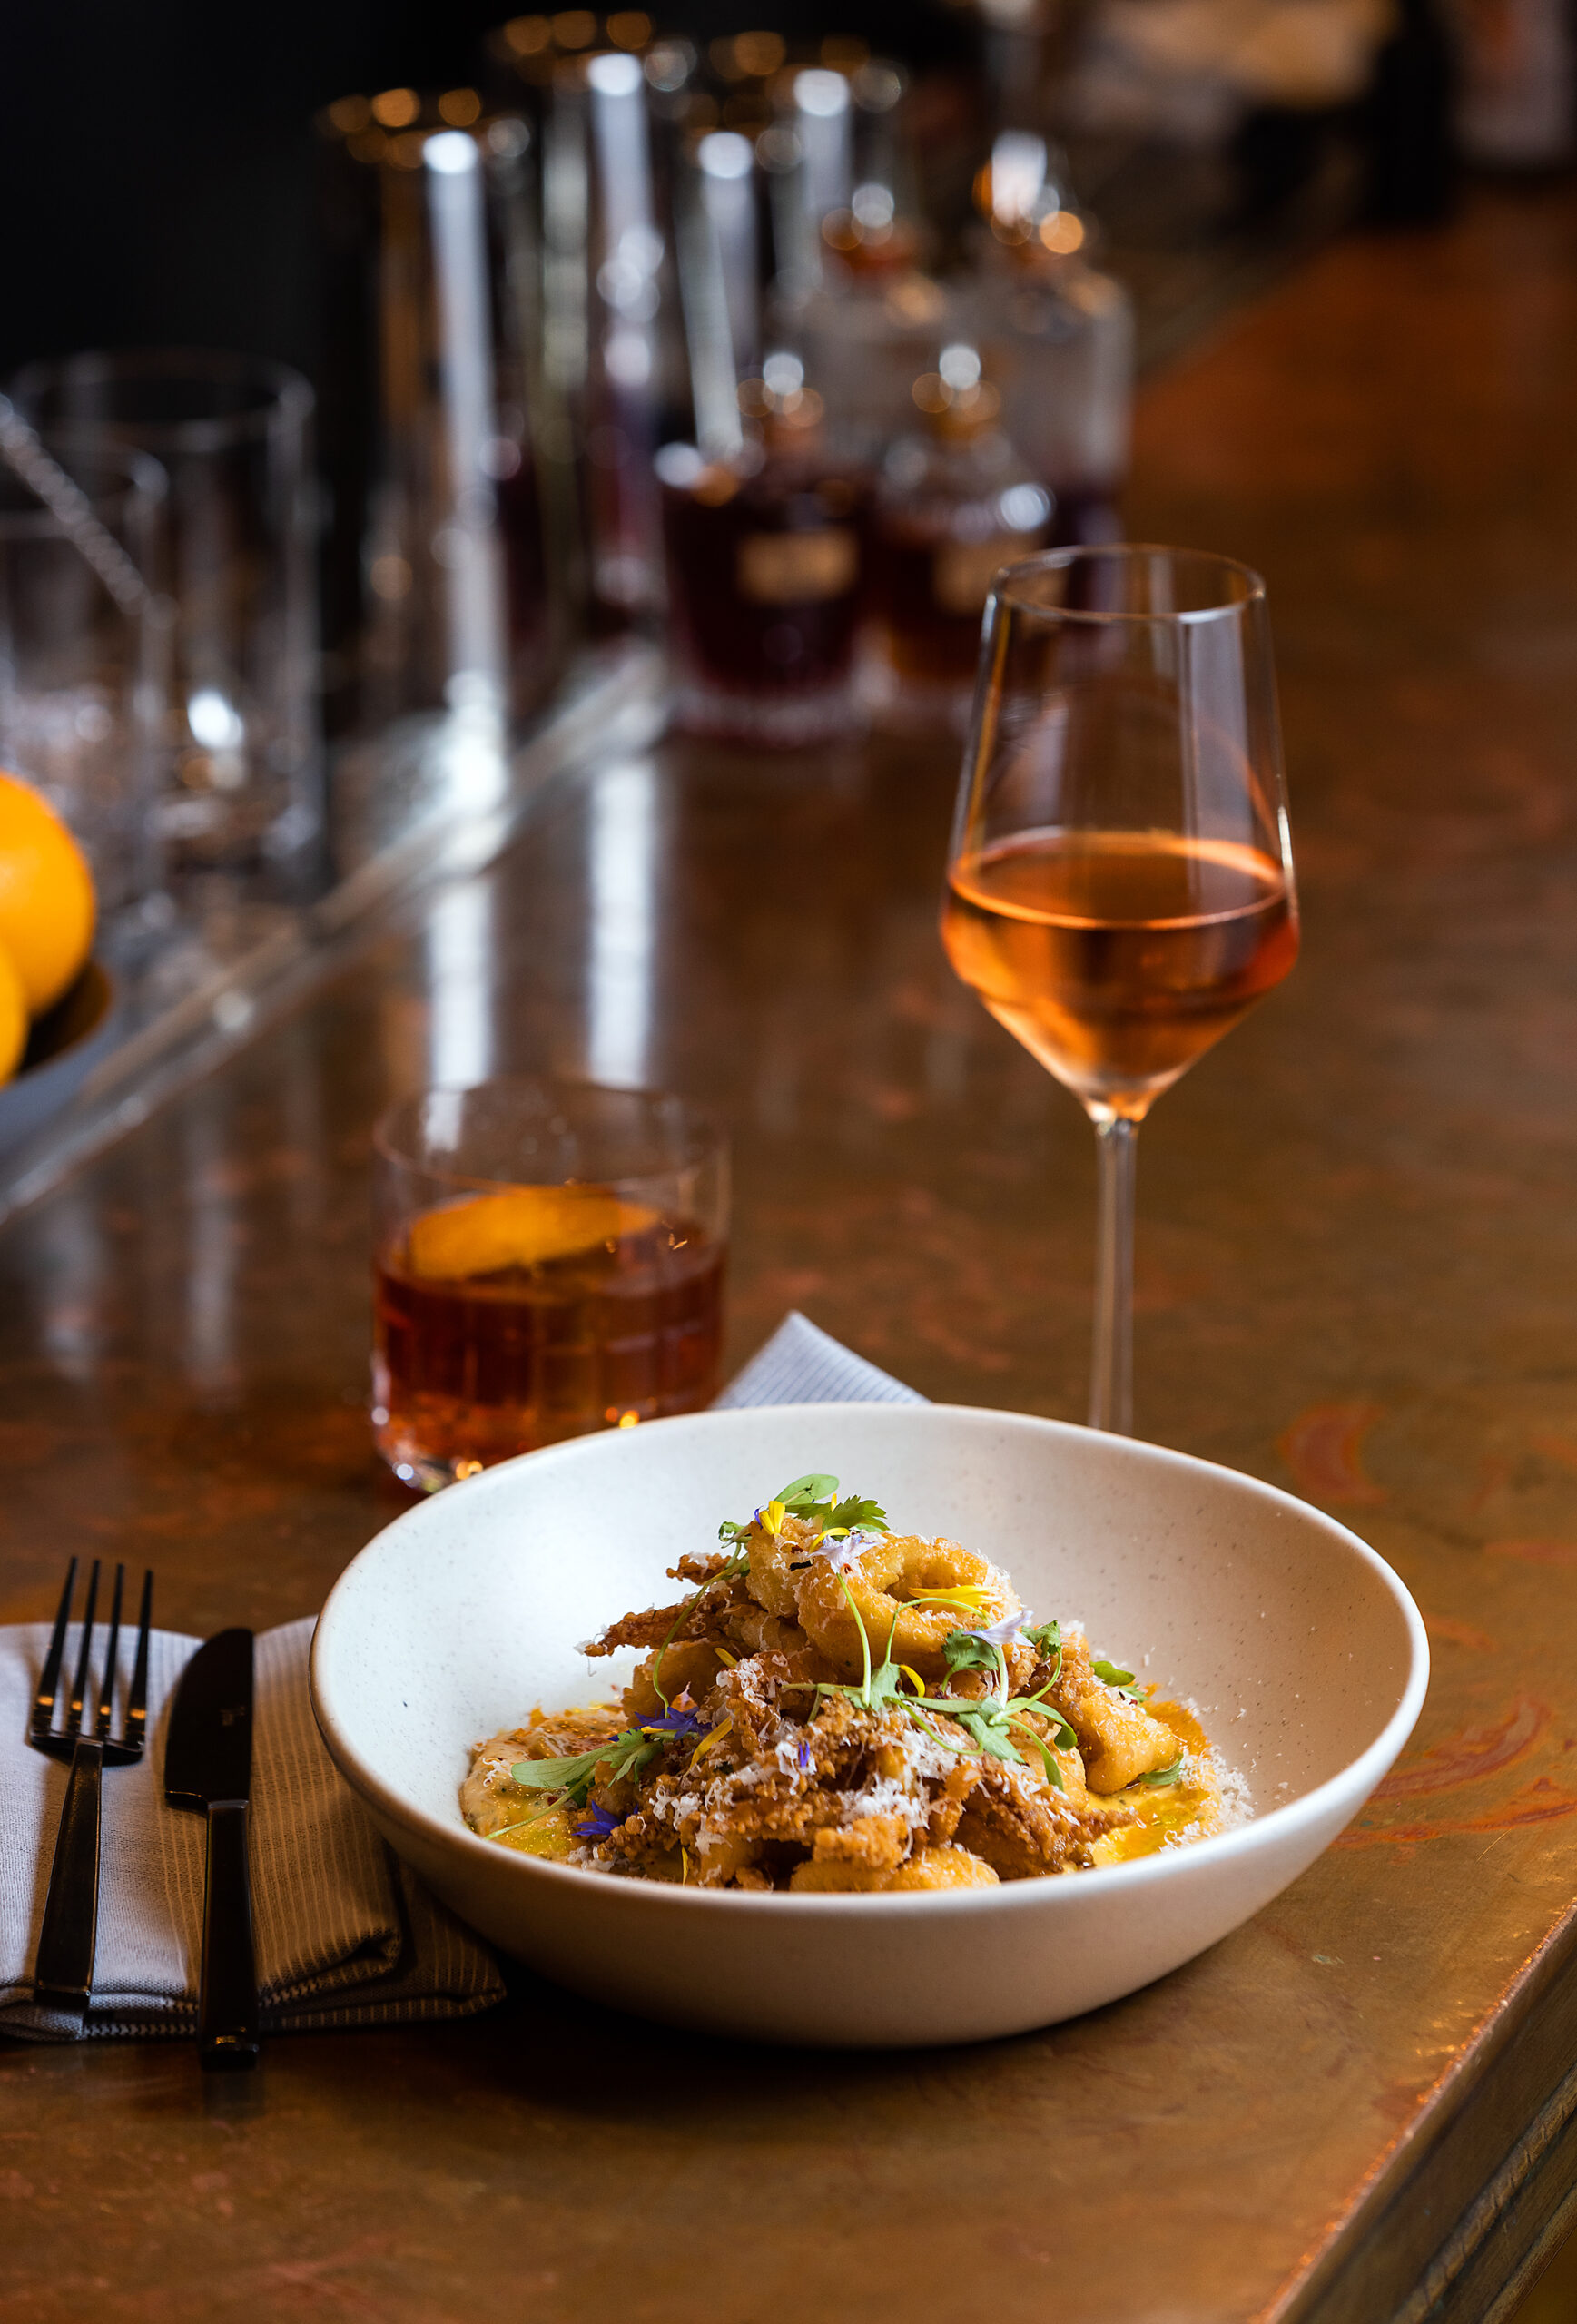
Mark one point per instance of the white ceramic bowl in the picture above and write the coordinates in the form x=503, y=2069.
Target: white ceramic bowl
x=1304, y=1651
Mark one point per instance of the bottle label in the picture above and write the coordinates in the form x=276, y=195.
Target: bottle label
x=960, y=571
x=797, y=568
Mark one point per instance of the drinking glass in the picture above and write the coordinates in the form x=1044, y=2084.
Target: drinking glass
x=1119, y=887
x=550, y=1261
x=242, y=769
x=81, y=646
x=451, y=537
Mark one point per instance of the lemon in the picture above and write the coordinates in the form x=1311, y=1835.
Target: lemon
x=13, y=1017
x=46, y=895
x=519, y=1229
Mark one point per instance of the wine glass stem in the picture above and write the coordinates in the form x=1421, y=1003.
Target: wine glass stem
x=1112, y=1369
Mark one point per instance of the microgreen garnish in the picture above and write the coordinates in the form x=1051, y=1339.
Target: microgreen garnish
x=806, y=1491
x=572, y=1774
x=1120, y=1680
x=988, y=1723
x=968, y=1650
x=1053, y=1772
x=536, y=1816
x=985, y=1649
x=811, y=1497
x=1166, y=1775
x=625, y=1755
x=864, y=1640
x=856, y=1516
x=973, y=1650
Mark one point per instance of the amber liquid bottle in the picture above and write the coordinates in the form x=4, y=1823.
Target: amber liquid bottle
x=953, y=506
x=765, y=555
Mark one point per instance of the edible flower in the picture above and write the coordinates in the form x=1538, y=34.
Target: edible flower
x=712, y=1735
x=600, y=1822
x=843, y=1553
x=1010, y=1629
x=814, y=1498
x=680, y=1718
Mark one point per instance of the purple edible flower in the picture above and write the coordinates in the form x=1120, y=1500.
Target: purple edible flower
x=843, y=1555
x=1006, y=1631
x=598, y=1824
x=679, y=1718
x=806, y=1762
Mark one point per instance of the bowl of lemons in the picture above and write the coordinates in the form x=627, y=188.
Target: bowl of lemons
x=57, y=1003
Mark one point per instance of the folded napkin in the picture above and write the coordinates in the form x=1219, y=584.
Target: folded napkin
x=802, y=1364
x=345, y=1934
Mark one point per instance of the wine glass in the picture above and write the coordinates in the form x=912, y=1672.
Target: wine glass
x=1119, y=886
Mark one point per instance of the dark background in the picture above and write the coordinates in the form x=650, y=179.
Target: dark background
x=157, y=157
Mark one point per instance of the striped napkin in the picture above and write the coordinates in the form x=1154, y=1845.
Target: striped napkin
x=345, y=1934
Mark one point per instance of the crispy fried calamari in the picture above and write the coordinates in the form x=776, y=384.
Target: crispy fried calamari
x=914, y=1592
x=838, y=1710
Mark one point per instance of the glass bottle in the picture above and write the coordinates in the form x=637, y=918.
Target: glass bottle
x=1055, y=336
x=858, y=302
x=954, y=503
x=872, y=323
x=765, y=555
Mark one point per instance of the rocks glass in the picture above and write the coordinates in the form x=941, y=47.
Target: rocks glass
x=550, y=1261
x=241, y=753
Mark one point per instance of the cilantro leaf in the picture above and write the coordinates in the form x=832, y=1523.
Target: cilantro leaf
x=1048, y=1637
x=853, y=1515
x=968, y=1650
x=885, y=1687
x=988, y=1726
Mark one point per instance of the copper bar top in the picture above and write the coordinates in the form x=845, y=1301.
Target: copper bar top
x=1357, y=1276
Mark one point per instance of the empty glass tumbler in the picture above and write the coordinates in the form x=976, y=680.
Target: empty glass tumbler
x=241, y=753
x=81, y=650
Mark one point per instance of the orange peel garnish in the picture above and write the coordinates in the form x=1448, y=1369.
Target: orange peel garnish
x=522, y=1227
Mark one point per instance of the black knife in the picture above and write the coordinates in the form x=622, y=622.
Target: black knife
x=208, y=1766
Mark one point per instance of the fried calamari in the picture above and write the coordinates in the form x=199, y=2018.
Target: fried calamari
x=837, y=1708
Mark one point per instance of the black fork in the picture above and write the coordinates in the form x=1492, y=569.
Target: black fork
x=63, y=1976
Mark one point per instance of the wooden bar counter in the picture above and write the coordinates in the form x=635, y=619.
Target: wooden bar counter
x=1357, y=1276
